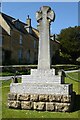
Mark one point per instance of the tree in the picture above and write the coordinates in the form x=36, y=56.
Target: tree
x=70, y=42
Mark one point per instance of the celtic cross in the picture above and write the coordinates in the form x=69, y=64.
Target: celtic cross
x=44, y=18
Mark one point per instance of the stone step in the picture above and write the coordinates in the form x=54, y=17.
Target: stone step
x=42, y=72
x=41, y=79
x=38, y=88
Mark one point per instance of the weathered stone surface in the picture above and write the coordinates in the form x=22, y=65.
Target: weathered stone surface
x=12, y=96
x=66, y=99
x=58, y=98
x=44, y=17
x=41, y=102
x=14, y=104
x=34, y=97
x=42, y=78
x=23, y=97
x=40, y=88
x=52, y=98
x=39, y=106
x=62, y=107
x=43, y=98
x=50, y=106
x=42, y=72
x=27, y=105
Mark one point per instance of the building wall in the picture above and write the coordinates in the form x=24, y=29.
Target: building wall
x=54, y=50
x=6, y=42
x=22, y=47
x=22, y=51
x=26, y=48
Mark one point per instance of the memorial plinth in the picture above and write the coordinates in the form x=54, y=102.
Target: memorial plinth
x=42, y=90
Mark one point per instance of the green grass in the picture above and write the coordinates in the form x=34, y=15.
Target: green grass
x=76, y=85
x=13, y=73
x=6, y=74
x=13, y=113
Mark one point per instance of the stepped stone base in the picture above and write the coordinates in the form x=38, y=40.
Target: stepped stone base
x=38, y=88
x=41, y=102
x=42, y=76
x=42, y=90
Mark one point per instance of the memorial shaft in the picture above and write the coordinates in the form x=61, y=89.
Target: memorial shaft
x=44, y=17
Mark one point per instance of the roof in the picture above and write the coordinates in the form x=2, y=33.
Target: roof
x=57, y=41
x=35, y=33
x=3, y=31
x=54, y=39
x=12, y=22
x=20, y=26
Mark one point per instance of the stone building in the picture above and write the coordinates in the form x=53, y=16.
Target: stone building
x=55, y=48
x=20, y=41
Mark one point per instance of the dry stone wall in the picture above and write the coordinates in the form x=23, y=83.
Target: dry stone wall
x=41, y=102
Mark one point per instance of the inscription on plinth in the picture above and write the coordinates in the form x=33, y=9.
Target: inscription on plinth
x=35, y=88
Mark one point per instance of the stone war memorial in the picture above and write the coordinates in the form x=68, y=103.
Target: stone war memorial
x=42, y=89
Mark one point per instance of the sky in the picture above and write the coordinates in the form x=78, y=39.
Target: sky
x=66, y=13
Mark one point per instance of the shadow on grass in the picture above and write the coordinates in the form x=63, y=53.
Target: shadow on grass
x=77, y=103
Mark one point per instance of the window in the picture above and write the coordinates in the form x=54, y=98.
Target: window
x=20, y=39
x=35, y=56
x=17, y=24
x=28, y=56
x=34, y=43
x=3, y=40
x=20, y=55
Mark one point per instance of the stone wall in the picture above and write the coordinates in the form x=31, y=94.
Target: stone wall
x=12, y=43
x=43, y=102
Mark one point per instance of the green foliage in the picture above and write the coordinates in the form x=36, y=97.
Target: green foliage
x=70, y=42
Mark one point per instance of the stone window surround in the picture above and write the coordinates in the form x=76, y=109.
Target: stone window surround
x=21, y=39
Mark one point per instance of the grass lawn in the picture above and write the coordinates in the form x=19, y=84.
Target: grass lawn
x=14, y=113
x=13, y=73
x=6, y=74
